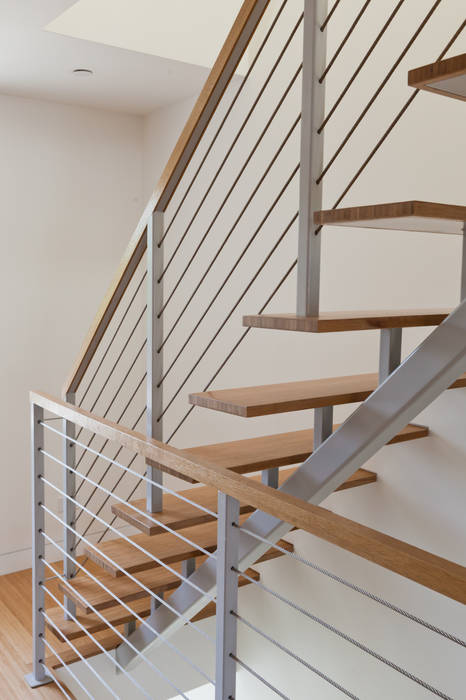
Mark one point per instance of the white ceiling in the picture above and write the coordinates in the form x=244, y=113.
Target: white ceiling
x=185, y=30
x=38, y=63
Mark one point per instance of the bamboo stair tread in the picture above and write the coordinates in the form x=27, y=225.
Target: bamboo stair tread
x=248, y=402
x=166, y=547
x=108, y=640
x=117, y=615
x=341, y=321
x=429, y=217
x=158, y=580
x=447, y=77
x=178, y=514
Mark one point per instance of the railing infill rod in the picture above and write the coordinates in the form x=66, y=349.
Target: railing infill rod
x=235, y=141
x=347, y=638
x=131, y=611
x=143, y=477
x=222, y=124
x=106, y=652
x=230, y=233
x=121, y=535
x=379, y=90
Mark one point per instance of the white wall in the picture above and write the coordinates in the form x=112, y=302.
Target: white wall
x=71, y=192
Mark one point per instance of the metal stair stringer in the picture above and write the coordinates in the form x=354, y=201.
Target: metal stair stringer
x=419, y=380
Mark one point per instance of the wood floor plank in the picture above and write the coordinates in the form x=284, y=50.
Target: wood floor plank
x=248, y=402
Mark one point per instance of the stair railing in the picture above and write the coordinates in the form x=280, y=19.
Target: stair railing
x=147, y=585
x=153, y=271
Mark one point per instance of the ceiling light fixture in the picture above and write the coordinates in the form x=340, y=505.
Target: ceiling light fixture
x=83, y=72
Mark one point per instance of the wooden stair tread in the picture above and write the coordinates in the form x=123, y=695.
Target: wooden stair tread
x=429, y=217
x=447, y=77
x=341, y=321
x=117, y=615
x=109, y=640
x=292, y=396
x=166, y=547
x=178, y=514
x=159, y=580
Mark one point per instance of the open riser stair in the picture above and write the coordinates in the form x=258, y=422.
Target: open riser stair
x=195, y=542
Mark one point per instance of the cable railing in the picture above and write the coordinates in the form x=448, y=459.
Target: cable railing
x=124, y=583
x=219, y=235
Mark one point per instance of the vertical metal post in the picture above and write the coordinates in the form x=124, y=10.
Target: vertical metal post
x=390, y=351
x=323, y=425
x=227, y=596
x=270, y=477
x=38, y=676
x=188, y=567
x=463, y=266
x=312, y=157
x=155, y=229
x=69, y=509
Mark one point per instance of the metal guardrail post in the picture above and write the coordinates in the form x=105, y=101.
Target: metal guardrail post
x=463, y=266
x=69, y=508
x=312, y=157
x=155, y=229
x=227, y=596
x=38, y=677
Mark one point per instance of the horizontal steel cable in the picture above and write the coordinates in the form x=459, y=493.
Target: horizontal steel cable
x=259, y=677
x=348, y=638
x=105, y=443
x=65, y=666
x=235, y=347
x=344, y=40
x=123, y=571
x=122, y=383
x=225, y=118
x=120, y=355
x=95, y=641
x=230, y=273
x=162, y=487
x=330, y=15
x=230, y=313
x=128, y=309
x=233, y=227
x=101, y=585
x=395, y=122
x=53, y=675
x=294, y=656
x=361, y=65
x=140, y=619
x=133, y=507
x=379, y=90
x=231, y=189
x=122, y=536
x=235, y=140
x=106, y=471
x=358, y=589
x=79, y=655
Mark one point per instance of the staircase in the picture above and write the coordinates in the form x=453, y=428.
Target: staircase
x=194, y=548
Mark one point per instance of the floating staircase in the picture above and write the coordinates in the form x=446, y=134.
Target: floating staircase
x=174, y=543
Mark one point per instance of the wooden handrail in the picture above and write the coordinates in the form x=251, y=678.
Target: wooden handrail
x=431, y=571
x=220, y=76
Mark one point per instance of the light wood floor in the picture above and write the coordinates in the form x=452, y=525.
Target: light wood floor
x=15, y=639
